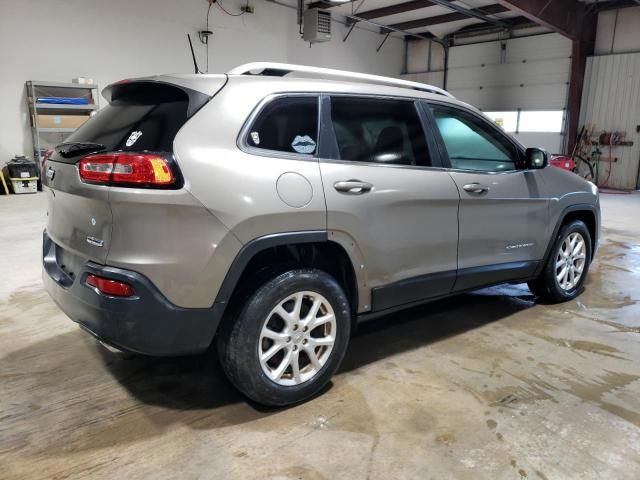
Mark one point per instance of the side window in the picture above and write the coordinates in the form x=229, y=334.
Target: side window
x=287, y=124
x=471, y=143
x=379, y=131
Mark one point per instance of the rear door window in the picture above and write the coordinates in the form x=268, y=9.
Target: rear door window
x=286, y=124
x=383, y=131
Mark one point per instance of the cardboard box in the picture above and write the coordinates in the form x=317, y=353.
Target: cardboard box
x=24, y=186
x=61, y=121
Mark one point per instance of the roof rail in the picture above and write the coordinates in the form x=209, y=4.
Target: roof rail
x=282, y=69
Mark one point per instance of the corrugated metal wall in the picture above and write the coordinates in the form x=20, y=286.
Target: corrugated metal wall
x=611, y=101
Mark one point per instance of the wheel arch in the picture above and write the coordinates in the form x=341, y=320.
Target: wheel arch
x=585, y=212
x=589, y=219
x=267, y=256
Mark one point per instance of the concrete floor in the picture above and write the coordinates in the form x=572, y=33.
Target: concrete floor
x=487, y=385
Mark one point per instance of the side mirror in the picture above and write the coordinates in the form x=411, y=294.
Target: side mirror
x=536, y=158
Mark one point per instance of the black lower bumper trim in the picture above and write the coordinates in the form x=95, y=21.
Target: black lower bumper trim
x=146, y=323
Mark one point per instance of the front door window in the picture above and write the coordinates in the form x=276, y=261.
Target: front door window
x=471, y=143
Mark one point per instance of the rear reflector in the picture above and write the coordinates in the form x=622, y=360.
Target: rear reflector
x=110, y=287
x=134, y=169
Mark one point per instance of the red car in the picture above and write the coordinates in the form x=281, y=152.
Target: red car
x=563, y=161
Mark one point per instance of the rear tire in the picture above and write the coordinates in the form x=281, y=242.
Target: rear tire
x=567, y=266
x=288, y=339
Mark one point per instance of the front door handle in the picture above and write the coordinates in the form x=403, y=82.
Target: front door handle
x=475, y=188
x=353, y=187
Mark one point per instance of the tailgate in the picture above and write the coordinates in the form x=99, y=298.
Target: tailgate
x=79, y=216
x=142, y=116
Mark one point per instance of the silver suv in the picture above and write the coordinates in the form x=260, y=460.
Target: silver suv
x=272, y=208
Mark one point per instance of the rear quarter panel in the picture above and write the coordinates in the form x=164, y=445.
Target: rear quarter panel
x=170, y=237
x=239, y=188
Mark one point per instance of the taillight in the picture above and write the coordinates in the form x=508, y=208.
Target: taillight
x=110, y=287
x=134, y=169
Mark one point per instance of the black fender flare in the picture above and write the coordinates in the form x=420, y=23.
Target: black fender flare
x=578, y=207
x=248, y=251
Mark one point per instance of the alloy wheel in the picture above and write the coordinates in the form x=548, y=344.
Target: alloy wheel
x=297, y=338
x=570, y=261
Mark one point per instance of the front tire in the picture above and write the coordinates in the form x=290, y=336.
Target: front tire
x=288, y=339
x=567, y=266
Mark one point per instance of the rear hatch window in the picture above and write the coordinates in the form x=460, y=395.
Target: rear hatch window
x=141, y=116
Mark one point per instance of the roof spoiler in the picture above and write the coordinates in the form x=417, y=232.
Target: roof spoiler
x=153, y=91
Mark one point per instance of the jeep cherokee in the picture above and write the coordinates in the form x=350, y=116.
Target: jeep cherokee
x=271, y=208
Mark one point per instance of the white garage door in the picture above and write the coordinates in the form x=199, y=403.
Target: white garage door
x=529, y=75
x=520, y=82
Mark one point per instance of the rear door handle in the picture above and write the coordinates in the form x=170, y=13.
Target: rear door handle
x=353, y=187
x=475, y=188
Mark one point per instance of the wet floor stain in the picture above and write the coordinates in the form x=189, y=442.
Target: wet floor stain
x=596, y=391
x=586, y=346
x=297, y=473
x=607, y=286
x=616, y=326
x=540, y=475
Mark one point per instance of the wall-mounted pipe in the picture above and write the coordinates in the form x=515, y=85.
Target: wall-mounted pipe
x=445, y=76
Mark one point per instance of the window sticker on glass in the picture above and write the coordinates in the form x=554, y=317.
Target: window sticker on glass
x=287, y=124
x=133, y=138
x=303, y=144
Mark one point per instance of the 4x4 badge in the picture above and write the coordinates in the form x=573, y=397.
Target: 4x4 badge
x=133, y=138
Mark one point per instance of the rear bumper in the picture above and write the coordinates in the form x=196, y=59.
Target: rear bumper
x=146, y=323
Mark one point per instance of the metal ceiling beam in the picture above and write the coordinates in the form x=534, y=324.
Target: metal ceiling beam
x=384, y=29
x=395, y=9
x=564, y=16
x=450, y=17
x=512, y=22
x=473, y=13
x=613, y=4
x=486, y=28
x=328, y=4
x=479, y=13
x=601, y=5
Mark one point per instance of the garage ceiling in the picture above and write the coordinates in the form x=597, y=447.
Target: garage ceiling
x=427, y=19
x=439, y=18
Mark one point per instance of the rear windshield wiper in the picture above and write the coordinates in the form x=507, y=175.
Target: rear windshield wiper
x=71, y=149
